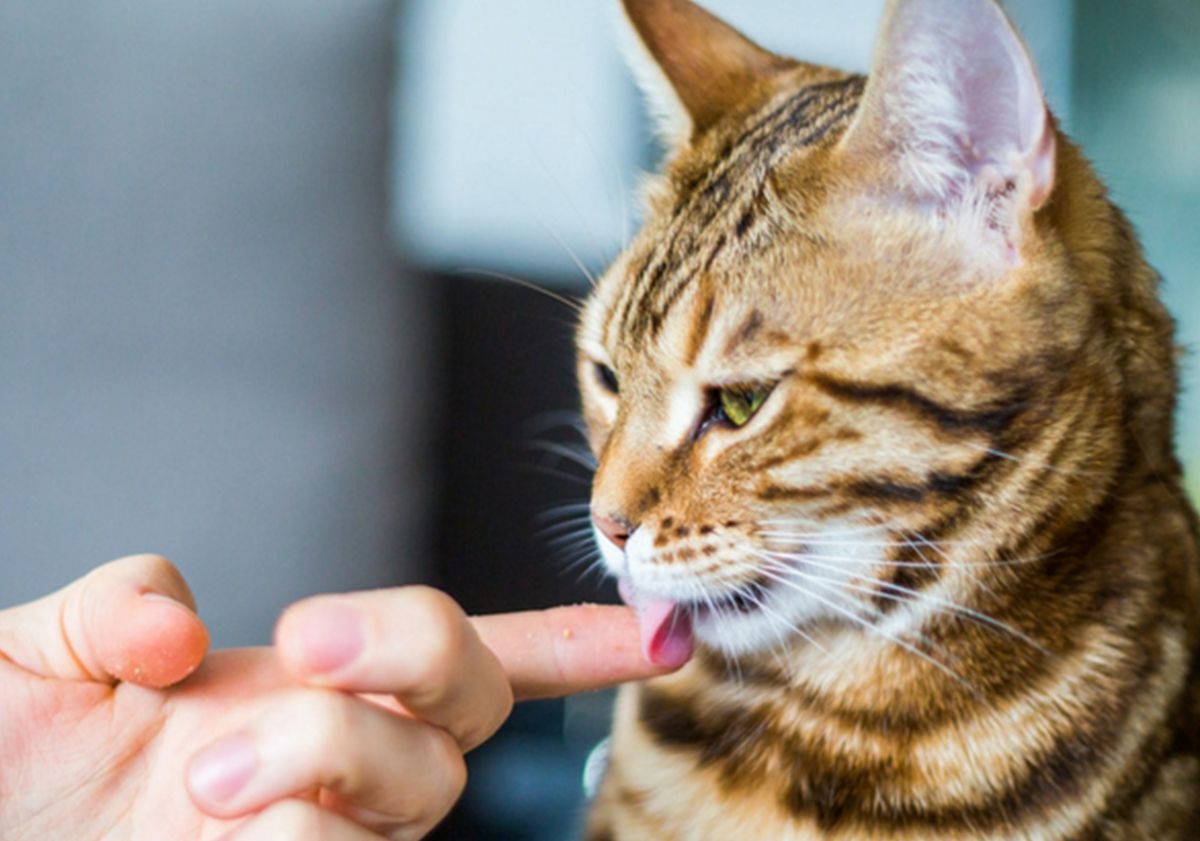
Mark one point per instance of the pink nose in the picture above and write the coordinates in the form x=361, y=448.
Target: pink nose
x=617, y=531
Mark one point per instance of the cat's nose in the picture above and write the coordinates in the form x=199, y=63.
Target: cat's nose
x=616, y=530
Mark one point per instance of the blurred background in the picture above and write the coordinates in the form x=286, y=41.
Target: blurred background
x=251, y=307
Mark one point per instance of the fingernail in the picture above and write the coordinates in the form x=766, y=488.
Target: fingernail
x=221, y=770
x=331, y=635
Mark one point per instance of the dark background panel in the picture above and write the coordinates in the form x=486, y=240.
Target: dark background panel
x=507, y=383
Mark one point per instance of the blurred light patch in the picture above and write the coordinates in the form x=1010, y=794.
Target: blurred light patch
x=1172, y=105
x=519, y=135
x=516, y=136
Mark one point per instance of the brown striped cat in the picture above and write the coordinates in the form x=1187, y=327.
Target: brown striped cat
x=882, y=400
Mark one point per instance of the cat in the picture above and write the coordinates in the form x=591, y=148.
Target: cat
x=882, y=399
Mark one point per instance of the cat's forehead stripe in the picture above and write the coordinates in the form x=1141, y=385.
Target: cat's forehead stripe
x=728, y=200
x=699, y=326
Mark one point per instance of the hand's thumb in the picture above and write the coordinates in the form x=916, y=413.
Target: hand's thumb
x=130, y=620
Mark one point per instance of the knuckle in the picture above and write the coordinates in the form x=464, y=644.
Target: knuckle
x=504, y=707
x=292, y=819
x=326, y=719
x=449, y=758
x=442, y=782
x=506, y=700
x=154, y=571
x=438, y=645
x=500, y=703
x=433, y=607
x=151, y=565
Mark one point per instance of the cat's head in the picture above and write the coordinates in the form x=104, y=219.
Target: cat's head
x=804, y=378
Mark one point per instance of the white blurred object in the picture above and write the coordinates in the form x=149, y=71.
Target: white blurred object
x=595, y=766
x=518, y=136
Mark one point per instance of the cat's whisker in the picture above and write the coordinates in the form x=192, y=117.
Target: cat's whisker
x=791, y=521
x=561, y=532
x=948, y=657
x=591, y=564
x=572, y=550
x=544, y=422
x=566, y=541
x=562, y=475
x=981, y=582
x=588, y=568
x=823, y=540
x=875, y=629
x=848, y=536
x=856, y=614
x=848, y=560
x=909, y=595
x=570, y=545
x=1000, y=454
x=746, y=570
x=921, y=543
x=762, y=605
x=917, y=543
x=591, y=278
x=572, y=510
x=714, y=610
x=613, y=170
x=574, y=454
x=897, y=544
x=573, y=305
x=573, y=205
x=779, y=625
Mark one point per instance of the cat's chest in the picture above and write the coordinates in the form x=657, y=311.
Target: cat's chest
x=656, y=791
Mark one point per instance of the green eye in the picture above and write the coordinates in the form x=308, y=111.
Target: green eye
x=739, y=405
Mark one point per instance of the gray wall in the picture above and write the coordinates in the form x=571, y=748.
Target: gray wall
x=206, y=349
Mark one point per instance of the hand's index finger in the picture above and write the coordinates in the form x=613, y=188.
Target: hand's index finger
x=556, y=652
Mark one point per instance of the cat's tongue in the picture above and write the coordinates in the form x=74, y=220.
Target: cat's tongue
x=666, y=630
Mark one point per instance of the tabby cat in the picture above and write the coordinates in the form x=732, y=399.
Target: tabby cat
x=882, y=402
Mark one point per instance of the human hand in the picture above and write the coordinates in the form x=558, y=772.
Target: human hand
x=314, y=741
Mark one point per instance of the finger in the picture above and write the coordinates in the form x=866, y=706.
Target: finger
x=403, y=773
x=130, y=620
x=300, y=819
x=412, y=642
x=551, y=653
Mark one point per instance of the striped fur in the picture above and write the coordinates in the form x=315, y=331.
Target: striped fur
x=968, y=472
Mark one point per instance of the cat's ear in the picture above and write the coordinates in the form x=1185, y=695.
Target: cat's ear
x=955, y=107
x=693, y=67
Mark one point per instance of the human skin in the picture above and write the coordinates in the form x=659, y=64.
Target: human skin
x=115, y=725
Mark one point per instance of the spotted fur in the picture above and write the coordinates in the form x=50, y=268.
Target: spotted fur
x=965, y=474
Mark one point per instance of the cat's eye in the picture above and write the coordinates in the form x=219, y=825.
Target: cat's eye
x=607, y=377
x=739, y=405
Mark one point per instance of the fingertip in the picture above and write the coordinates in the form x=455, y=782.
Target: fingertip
x=556, y=652
x=289, y=644
x=158, y=643
x=320, y=637
x=285, y=643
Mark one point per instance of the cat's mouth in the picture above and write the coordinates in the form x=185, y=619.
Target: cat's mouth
x=666, y=625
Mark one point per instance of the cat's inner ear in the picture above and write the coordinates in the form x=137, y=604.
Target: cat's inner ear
x=955, y=108
x=694, y=67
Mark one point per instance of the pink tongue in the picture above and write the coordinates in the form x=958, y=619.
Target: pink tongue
x=666, y=631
